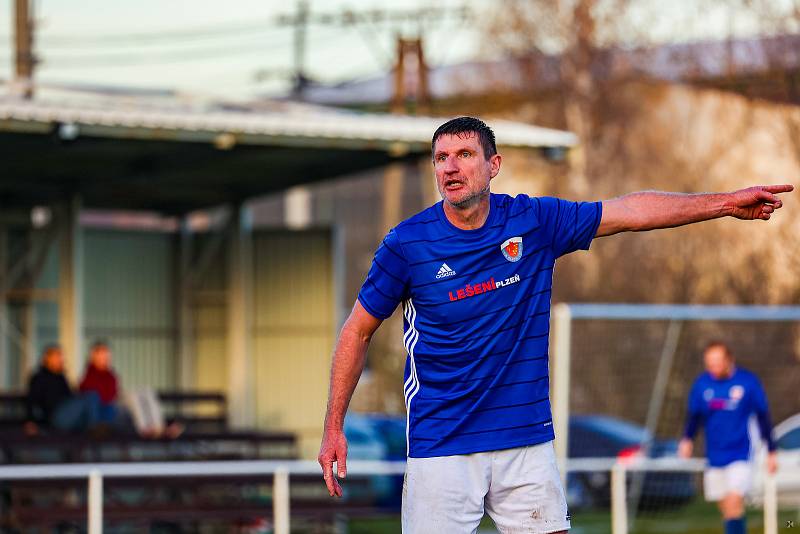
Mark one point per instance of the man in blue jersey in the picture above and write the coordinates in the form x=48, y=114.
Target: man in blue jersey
x=724, y=399
x=474, y=274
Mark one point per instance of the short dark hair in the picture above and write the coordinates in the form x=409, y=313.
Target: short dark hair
x=461, y=125
x=49, y=349
x=99, y=343
x=718, y=343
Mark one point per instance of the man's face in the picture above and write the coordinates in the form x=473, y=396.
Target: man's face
x=101, y=357
x=718, y=362
x=462, y=171
x=54, y=361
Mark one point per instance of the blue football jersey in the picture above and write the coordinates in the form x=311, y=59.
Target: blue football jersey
x=725, y=407
x=476, y=306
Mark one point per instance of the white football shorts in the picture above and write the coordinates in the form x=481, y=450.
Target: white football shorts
x=519, y=488
x=736, y=477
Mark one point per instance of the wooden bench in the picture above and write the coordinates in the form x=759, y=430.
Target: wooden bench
x=12, y=411
x=206, y=436
x=202, y=411
x=58, y=447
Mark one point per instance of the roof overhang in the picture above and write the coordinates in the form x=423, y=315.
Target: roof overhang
x=176, y=159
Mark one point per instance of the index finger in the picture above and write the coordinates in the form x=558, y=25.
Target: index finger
x=778, y=188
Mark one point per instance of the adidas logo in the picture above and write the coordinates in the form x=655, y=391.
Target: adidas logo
x=444, y=272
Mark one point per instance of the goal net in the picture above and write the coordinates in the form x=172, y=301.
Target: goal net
x=630, y=367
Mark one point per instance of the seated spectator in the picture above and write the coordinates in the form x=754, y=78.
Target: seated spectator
x=101, y=379
x=51, y=402
x=148, y=417
x=143, y=411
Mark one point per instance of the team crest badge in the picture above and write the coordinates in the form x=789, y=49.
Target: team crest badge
x=512, y=249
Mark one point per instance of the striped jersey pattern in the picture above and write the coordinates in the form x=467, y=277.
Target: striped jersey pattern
x=476, y=316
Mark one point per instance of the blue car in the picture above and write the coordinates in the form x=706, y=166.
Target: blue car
x=378, y=437
x=383, y=437
x=602, y=436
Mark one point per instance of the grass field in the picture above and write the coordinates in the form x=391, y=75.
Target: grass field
x=696, y=518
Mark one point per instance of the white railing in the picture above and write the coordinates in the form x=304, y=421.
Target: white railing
x=281, y=471
x=619, y=470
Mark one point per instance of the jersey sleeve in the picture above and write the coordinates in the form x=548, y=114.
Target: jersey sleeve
x=570, y=225
x=694, y=417
x=761, y=409
x=387, y=282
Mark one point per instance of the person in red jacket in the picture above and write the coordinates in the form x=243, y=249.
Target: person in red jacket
x=100, y=378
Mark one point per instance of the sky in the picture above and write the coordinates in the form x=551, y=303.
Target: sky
x=234, y=49
x=214, y=48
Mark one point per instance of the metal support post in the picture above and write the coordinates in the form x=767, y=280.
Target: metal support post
x=393, y=178
x=70, y=288
x=770, y=503
x=184, y=285
x=240, y=312
x=559, y=378
x=280, y=501
x=619, y=513
x=4, y=331
x=95, y=503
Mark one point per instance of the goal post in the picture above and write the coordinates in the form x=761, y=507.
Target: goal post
x=565, y=314
x=637, y=362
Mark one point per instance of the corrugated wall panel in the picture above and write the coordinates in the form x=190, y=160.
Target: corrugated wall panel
x=210, y=320
x=129, y=300
x=211, y=363
x=293, y=332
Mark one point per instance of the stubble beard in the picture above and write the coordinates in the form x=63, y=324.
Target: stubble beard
x=469, y=201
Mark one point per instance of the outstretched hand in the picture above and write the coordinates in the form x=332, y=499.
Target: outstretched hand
x=333, y=449
x=757, y=202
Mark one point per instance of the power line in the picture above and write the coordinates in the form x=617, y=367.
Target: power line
x=124, y=59
x=202, y=32
x=369, y=23
x=348, y=17
x=342, y=18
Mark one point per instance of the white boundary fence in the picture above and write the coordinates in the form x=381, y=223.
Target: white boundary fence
x=279, y=470
x=283, y=470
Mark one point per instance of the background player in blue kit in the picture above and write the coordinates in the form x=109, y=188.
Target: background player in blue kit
x=474, y=275
x=724, y=399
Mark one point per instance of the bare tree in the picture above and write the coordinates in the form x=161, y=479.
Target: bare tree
x=586, y=69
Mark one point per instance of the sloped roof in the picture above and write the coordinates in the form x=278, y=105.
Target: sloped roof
x=126, y=153
x=310, y=126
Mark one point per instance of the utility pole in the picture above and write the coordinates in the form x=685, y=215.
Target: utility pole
x=409, y=51
x=23, y=33
x=300, y=26
x=410, y=48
